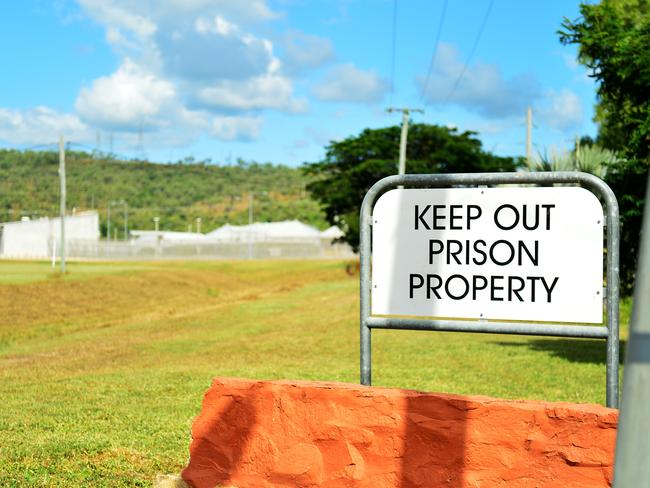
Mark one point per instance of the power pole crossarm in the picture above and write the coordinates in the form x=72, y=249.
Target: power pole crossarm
x=404, y=136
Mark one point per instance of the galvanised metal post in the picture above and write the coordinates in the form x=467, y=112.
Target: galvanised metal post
x=612, y=296
x=633, y=440
x=364, y=277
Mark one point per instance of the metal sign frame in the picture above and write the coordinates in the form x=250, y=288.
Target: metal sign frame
x=609, y=332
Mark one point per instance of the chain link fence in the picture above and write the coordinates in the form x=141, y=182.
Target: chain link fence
x=161, y=249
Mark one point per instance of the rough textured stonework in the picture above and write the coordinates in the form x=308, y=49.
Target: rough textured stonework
x=305, y=434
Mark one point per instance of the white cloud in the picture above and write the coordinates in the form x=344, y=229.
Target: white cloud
x=247, y=12
x=41, y=124
x=561, y=110
x=570, y=61
x=189, y=68
x=482, y=88
x=193, y=52
x=347, y=83
x=139, y=16
x=212, y=49
x=580, y=72
x=228, y=128
x=196, y=41
x=130, y=99
x=120, y=15
x=303, y=51
x=264, y=92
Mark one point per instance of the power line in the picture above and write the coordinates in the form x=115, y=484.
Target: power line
x=471, y=53
x=83, y=146
x=53, y=146
x=392, y=63
x=435, y=51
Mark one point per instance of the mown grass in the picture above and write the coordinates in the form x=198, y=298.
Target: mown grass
x=21, y=272
x=101, y=373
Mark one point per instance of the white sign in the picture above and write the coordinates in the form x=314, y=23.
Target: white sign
x=489, y=253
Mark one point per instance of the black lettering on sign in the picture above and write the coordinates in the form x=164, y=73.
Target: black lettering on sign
x=534, y=257
x=437, y=217
x=435, y=247
x=548, y=208
x=549, y=290
x=507, y=217
x=433, y=288
x=413, y=284
x=419, y=217
x=494, y=287
x=481, y=252
x=455, y=252
x=498, y=217
x=510, y=253
x=465, y=283
x=453, y=215
x=476, y=287
x=515, y=291
x=474, y=216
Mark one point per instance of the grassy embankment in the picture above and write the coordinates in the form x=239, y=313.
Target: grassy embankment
x=102, y=371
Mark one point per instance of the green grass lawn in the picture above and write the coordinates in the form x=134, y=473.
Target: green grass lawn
x=102, y=372
x=21, y=272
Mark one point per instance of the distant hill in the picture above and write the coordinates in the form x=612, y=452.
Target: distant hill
x=176, y=193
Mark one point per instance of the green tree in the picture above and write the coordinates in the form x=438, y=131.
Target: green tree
x=613, y=39
x=353, y=165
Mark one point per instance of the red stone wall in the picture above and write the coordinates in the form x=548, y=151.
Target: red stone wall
x=304, y=434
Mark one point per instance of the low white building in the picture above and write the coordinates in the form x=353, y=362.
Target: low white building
x=287, y=230
x=332, y=233
x=39, y=238
x=286, y=239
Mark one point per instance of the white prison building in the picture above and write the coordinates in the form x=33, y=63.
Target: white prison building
x=40, y=238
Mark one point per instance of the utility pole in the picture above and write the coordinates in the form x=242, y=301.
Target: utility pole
x=156, y=220
x=63, y=195
x=126, y=220
x=529, y=136
x=198, y=225
x=404, y=137
x=250, y=208
x=250, y=222
x=98, y=144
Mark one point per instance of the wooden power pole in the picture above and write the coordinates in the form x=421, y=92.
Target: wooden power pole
x=404, y=137
x=63, y=195
x=529, y=136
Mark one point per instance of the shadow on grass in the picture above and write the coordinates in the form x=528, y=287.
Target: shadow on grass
x=591, y=351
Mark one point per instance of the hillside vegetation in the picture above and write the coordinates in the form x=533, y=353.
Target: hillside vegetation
x=176, y=193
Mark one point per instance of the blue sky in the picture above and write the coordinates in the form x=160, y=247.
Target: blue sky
x=276, y=80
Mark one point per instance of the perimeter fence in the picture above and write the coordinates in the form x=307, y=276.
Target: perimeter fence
x=153, y=250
